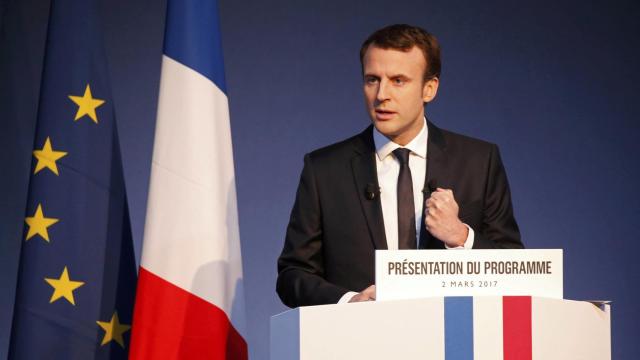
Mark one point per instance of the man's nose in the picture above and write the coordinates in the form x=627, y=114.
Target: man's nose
x=383, y=91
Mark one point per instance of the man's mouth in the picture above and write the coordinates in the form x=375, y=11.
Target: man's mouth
x=384, y=115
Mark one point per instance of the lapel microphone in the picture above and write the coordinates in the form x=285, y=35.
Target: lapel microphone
x=371, y=191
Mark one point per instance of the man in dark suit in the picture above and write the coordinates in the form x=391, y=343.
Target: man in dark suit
x=402, y=183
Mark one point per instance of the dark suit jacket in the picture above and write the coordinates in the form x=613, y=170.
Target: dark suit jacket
x=335, y=228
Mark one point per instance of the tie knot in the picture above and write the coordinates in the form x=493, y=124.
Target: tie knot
x=402, y=155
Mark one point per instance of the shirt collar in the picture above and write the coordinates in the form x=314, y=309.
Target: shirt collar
x=418, y=145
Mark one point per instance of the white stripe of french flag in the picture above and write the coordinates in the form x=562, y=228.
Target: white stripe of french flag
x=190, y=301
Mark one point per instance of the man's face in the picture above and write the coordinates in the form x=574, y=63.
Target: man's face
x=395, y=91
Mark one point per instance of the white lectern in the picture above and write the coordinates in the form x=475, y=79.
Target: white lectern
x=489, y=328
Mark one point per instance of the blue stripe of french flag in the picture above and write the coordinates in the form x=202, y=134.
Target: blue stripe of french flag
x=190, y=301
x=458, y=328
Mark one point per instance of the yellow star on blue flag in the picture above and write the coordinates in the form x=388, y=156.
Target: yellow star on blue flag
x=63, y=287
x=47, y=157
x=38, y=224
x=87, y=105
x=113, y=330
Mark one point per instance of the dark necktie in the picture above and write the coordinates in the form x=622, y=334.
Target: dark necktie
x=406, y=211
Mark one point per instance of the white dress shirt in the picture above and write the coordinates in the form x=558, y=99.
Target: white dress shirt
x=388, y=169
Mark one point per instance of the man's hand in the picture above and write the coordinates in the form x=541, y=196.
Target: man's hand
x=368, y=294
x=442, y=218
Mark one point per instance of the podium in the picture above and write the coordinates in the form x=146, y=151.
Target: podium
x=509, y=328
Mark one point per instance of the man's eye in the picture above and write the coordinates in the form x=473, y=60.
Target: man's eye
x=371, y=80
x=398, y=81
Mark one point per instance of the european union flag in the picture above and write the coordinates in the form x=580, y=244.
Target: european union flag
x=77, y=271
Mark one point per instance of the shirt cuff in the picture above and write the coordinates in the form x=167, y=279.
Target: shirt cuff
x=347, y=297
x=468, y=244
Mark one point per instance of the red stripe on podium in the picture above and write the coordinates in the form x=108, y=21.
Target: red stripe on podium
x=171, y=323
x=516, y=323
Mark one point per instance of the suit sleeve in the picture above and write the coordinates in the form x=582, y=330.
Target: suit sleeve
x=301, y=279
x=499, y=229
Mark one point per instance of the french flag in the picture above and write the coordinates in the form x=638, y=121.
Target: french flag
x=190, y=302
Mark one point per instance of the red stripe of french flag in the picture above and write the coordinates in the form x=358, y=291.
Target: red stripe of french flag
x=516, y=320
x=180, y=325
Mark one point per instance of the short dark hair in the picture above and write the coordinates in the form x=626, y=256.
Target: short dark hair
x=404, y=37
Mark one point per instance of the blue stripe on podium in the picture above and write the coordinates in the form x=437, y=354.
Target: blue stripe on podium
x=458, y=328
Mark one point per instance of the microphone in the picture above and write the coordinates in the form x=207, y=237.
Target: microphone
x=371, y=191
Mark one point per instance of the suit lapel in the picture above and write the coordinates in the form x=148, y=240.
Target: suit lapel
x=437, y=176
x=365, y=175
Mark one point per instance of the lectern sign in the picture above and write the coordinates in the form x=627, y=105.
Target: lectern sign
x=406, y=274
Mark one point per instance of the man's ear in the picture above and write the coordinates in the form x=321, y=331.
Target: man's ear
x=430, y=89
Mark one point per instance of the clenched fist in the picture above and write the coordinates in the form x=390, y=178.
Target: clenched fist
x=442, y=218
